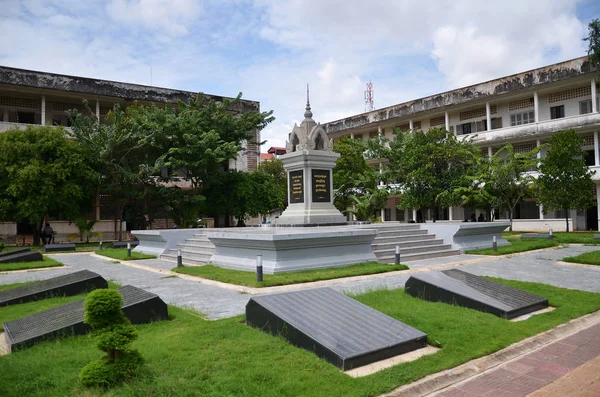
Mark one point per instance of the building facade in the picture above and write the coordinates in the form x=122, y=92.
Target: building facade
x=36, y=98
x=524, y=109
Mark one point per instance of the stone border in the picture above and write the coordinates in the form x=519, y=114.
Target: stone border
x=584, y=265
x=446, y=378
x=37, y=269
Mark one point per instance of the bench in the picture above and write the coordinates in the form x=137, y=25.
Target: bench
x=537, y=235
x=123, y=244
x=59, y=247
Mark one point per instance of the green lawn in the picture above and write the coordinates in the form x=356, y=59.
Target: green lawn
x=249, y=278
x=190, y=356
x=517, y=245
x=46, y=262
x=121, y=254
x=588, y=258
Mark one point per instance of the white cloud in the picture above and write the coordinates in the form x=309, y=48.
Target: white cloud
x=171, y=16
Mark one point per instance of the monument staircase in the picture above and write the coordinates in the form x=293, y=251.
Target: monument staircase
x=415, y=243
x=194, y=251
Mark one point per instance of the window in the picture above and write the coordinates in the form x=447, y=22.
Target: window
x=26, y=117
x=496, y=122
x=474, y=126
x=522, y=118
x=585, y=106
x=557, y=112
x=463, y=129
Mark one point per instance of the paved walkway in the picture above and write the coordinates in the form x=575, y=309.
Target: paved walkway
x=215, y=302
x=539, y=369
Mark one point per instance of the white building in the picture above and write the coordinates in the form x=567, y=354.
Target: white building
x=524, y=109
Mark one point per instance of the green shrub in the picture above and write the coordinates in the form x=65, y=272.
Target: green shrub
x=103, y=308
x=113, y=333
x=101, y=373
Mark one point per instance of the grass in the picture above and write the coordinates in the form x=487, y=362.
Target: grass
x=516, y=245
x=520, y=245
x=191, y=356
x=46, y=262
x=587, y=258
x=249, y=278
x=121, y=254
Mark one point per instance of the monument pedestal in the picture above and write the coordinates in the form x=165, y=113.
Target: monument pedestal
x=310, y=186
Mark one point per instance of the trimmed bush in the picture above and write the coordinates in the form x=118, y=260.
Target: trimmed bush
x=113, y=333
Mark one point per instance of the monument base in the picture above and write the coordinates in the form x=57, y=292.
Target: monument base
x=317, y=213
x=468, y=235
x=291, y=249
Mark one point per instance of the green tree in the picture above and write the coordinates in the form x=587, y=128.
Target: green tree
x=352, y=176
x=509, y=178
x=122, y=152
x=42, y=173
x=365, y=206
x=429, y=167
x=593, y=40
x=274, y=168
x=565, y=181
x=479, y=193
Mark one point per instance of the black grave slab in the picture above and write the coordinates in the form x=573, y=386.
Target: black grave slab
x=15, y=251
x=21, y=256
x=138, y=305
x=468, y=290
x=66, y=285
x=123, y=244
x=59, y=247
x=334, y=326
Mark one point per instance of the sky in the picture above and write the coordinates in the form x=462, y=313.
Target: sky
x=270, y=49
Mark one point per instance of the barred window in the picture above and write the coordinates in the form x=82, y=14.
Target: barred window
x=435, y=121
x=521, y=104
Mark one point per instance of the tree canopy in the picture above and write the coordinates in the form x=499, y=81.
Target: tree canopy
x=428, y=167
x=593, y=40
x=352, y=176
x=42, y=173
x=565, y=181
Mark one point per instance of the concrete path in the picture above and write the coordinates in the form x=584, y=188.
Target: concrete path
x=216, y=302
x=213, y=302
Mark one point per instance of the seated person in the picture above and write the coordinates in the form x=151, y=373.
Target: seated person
x=473, y=218
x=47, y=234
x=480, y=218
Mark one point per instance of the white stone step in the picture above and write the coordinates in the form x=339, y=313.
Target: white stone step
x=407, y=244
x=408, y=237
x=419, y=256
x=189, y=257
x=411, y=250
x=194, y=248
x=397, y=233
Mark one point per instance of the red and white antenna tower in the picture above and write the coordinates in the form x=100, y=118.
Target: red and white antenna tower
x=369, y=106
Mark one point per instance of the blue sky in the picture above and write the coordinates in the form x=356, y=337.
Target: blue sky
x=270, y=49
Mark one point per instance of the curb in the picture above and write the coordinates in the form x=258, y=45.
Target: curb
x=443, y=379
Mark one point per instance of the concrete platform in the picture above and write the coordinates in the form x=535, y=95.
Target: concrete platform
x=291, y=249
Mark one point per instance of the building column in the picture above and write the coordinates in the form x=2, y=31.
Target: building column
x=352, y=135
x=488, y=116
x=97, y=206
x=98, y=111
x=415, y=215
x=594, y=97
x=447, y=119
x=596, y=153
x=383, y=215
x=43, y=121
x=538, y=143
x=541, y=212
x=536, y=107
x=490, y=152
x=410, y=125
x=451, y=213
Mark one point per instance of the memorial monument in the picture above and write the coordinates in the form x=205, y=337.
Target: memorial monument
x=309, y=165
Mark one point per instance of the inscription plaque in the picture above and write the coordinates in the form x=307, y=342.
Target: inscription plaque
x=321, y=192
x=296, y=188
